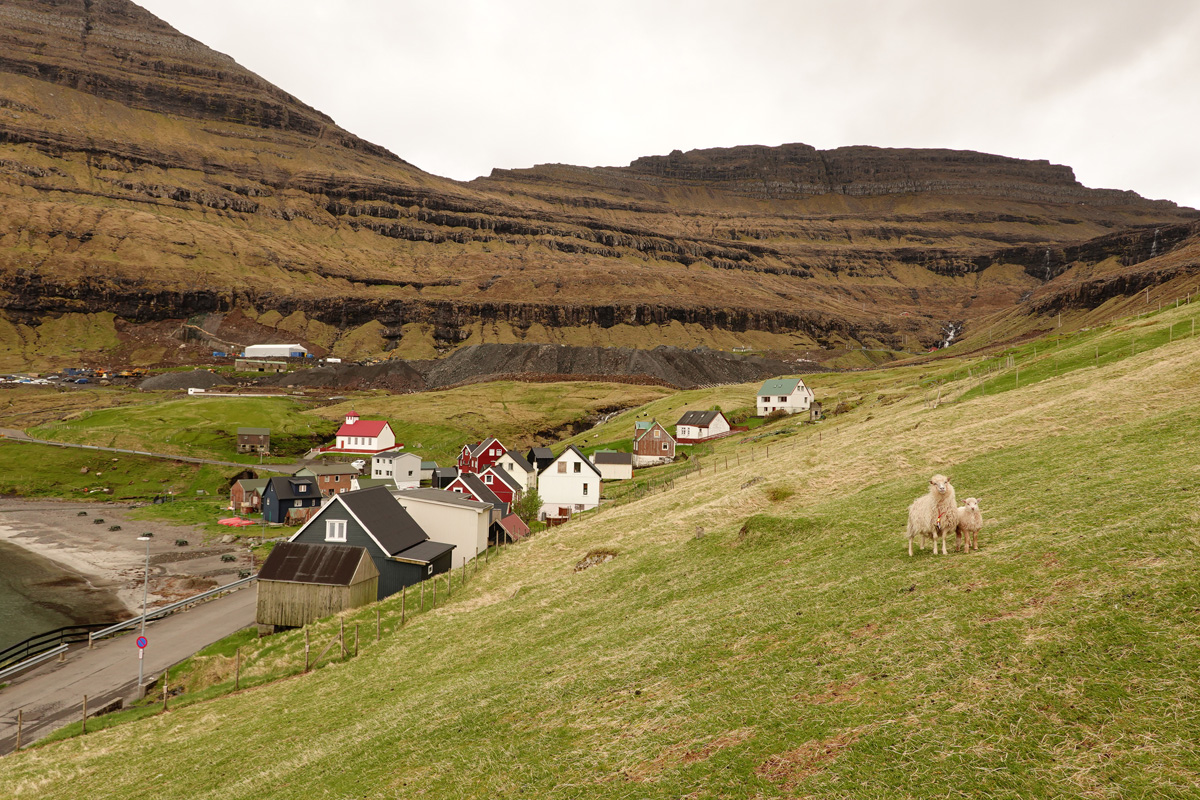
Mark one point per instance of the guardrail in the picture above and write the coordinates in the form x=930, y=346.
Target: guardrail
x=168, y=609
x=41, y=642
x=29, y=662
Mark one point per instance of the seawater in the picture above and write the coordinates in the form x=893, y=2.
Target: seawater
x=38, y=595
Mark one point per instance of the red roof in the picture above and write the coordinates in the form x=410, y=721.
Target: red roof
x=362, y=428
x=515, y=527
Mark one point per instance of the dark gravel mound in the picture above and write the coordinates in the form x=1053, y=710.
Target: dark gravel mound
x=395, y=375
x=197, y=379
x=684, y=369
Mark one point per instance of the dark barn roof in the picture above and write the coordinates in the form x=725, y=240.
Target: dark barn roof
x=522, y=462
x=425, y=552
x=285, y=488
x=330, y=564
x=612, y=457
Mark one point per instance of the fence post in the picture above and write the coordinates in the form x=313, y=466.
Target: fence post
x=20, y=722
x=342, y=636
x=403, y=607
x=422, y=606
x=306, y=648
x=237, y=676
x=85, y=715
x=433, y=604
x=166, y=675
x=356, y=640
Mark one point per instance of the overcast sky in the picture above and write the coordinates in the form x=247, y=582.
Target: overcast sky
x=1109, y=88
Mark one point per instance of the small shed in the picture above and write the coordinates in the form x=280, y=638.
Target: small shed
x=614, y=466
x=254, y=440
x=303, y=582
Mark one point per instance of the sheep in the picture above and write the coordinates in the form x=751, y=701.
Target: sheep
x=969, y=523
x=933, y=514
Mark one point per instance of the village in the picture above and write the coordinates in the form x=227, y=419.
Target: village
x=376, y=518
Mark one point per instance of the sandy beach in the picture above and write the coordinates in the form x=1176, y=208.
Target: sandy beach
x=112, y=563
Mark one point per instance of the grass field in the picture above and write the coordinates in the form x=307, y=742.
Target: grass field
x=794, y=650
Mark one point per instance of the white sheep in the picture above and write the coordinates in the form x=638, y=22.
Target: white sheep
x=934, y=514
x=970, y=520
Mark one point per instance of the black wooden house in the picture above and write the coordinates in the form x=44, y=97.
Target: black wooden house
x=374, y=519
x=285, y=498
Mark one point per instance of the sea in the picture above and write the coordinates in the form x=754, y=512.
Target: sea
x=38, y=595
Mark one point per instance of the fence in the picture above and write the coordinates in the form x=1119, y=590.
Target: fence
x=42, y=642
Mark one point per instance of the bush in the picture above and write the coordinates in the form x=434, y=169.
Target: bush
x=228, y=557
x=98, y=521
x=778, y=413
x=114, y=527
x=81, y=514
x=777, y=494
x=181, y=542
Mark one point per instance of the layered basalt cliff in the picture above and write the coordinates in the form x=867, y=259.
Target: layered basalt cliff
x=145, y=174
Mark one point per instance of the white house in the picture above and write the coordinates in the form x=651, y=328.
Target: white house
x=456, y=518
x=398, y=467
x=613, y=466
x=363, y=436
x=569, y=484
x=784, y=394
x=275, y=350
x=519, y=467
x=696, y=426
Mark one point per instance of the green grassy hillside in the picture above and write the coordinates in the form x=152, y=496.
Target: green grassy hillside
x=792, y=650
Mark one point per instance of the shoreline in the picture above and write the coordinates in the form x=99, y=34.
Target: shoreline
x=75, y=567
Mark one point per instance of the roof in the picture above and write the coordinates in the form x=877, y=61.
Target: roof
x=478, y=448
x=367, y=483
x=520, y=460
x=506, y=477
x=639, y=431
x=384, y=518
x=481, y=491
x=424, y=553
x=362, y=427
x=328, y=564
x=285, y=488
x=445, y=472
x=515, y=527
x=699, y=419
x=782, y=386
x=573, y=449
x=643, y=425
x=429, y=465
x=439, y=496
x=541, y=452
x=391, y=454
x=612, y=457
x=253, y=484
x=254, y=431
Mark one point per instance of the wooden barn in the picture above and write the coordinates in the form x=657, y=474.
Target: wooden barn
x=303, y=582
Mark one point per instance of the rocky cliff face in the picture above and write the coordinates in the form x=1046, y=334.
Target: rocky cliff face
x=143, y=173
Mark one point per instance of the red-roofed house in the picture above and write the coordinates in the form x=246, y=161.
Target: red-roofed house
x=363, y=436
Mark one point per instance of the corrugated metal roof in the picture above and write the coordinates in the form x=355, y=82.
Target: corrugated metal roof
x=515, y=527
x=385, y=518
x=254, y=431
x=328, y=564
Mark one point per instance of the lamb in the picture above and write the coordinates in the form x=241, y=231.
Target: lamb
x=933, y=514
x=969, y=523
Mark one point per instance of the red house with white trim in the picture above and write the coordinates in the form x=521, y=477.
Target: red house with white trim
x=503, y=484
x=363, y=436
x=475, y=458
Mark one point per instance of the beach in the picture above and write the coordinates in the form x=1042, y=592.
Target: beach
x=58, y=567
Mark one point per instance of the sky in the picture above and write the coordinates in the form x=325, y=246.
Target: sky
x=1106, y=87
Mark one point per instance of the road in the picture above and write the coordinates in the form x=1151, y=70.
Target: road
x=20, y=436
x=51, y=695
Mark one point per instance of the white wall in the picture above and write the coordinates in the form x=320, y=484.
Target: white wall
x=465, y=528
x=528, y=479
x=799, y=400
x=615, y=472
x=285, y=350
x=578, y=490
x=406, y=471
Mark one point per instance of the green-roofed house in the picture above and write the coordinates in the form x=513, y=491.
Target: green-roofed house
x=254, y=440
x=783, y=394
x=652, y=445
x=245, y=496
x=366, y=483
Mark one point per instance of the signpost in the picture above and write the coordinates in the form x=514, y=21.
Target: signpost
x=141, y=645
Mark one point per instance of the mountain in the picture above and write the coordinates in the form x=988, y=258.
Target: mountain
x=146, y=180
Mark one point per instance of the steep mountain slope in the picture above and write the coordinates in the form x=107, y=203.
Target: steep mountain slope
x=143, y=174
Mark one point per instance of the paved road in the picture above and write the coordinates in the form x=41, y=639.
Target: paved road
x=21, y=436
x=51, y=695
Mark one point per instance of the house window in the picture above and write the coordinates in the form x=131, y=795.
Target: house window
x=562, y=468
x=301, y=488
x=429, y=569
x=578, y=467
x=656, y=433
x=337, y=478
x=297, y=503
x=664, y=445
x=585, y=490
x=766, y=399
x=335, y=530
x=783, y=399
x=409, y=473
x=487, y=479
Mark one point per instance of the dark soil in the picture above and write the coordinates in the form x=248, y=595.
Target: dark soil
x=197, y=379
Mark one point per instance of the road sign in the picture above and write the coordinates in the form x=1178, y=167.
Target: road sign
x=141, y=642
